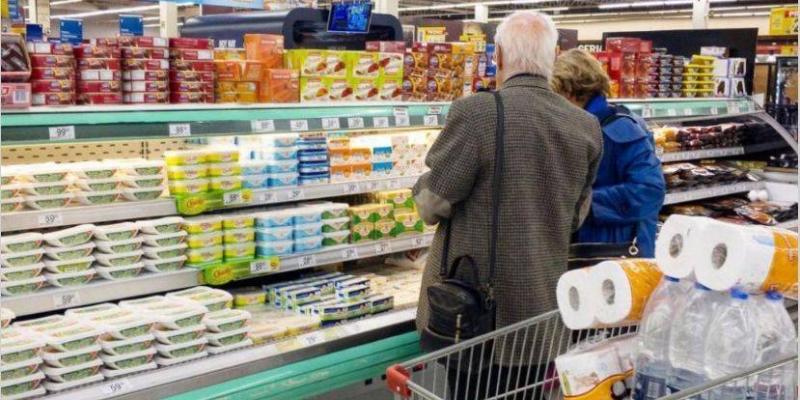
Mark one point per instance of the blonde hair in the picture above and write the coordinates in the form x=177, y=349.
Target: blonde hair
x=528, y=39
x=579, y=75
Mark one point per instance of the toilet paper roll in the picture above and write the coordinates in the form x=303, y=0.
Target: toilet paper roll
x=676, y=245
x=752, y=258
x=622, y=288
x=573, y=293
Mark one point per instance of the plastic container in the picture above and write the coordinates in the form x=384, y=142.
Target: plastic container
x=19, y=370
x=227, y=320
x=71, y=265
x=238, y=236
x=21, y=242
x=48, y=202
x=129, y=361
x=333, y=211
x=255, y=181
x=165, y=265
x=182, y=350
x=98, y=185
x=272, y=219
x=335, y=224
x=22, y=348
x=278, y=248
x=180, y=315
x=310, y=243
x=143, y=194
x=200, y=225
x=212, y=299
x=166, y=252
x=282, y=166
x=238, y=221
x=224, y=169
x=178, y=336
x=279, y=153
x=267, y=333
x=160, y=226
x=11, y=205
x=27, y=286
x=120, y=246
x=95, y=198
x=6, y=316
x=75, y=236
x=142, y=167
x=73, y=373
x=306, y=215
x=8, y=191
x=22, y=273
x=121, y=272
x=22, y=387
x=113, y=373
x=228, y=338
x=226, y=183
x=199, y=241
x=127, y=346
x=119, y=259
x=61, y=386
x=72, y=337
x=246, y=342
x=64, y=359
x=184, y=157
x=304, y=230
x=187, y=172
x=44, y=189
x=297, y=325
x=143, y=181
x=21, y=259
x=274, y=234
x=241, y=250
x=69, y=253
x=69, y=279
x=42, y=173
x=287, y=179
x=335, y=238
x=205, y=255
x=166, y=239
x=189, y=186
x=166, y=362
x=253, y=167
x=93, y=170
x=222, y=156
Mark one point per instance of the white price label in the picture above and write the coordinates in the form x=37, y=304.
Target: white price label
x=307, y=260
x=262, y=125
x=232, y=198
x=431, y=120
x=436, y=110
x=295, y=194
x=688, y=112
x=647, y=112
x=350, y=188
x=714, y=110
x=373, y=186
x=51, y=219
x=383, y=247
x=62, y=132
x=298, y=125
x=395, y=184
x=313, y=338
x=380, y=122
x=265, y=197
x=117, y=387
x=355, y=123
x=400, y=111
x=65, y=300
x=260, y=267
x=180, y=130
x=330, y=123
x=672, y=112
x=418, y=241
x=427, y=240
x=733, y=108
x=402, y=120
x=350, y=253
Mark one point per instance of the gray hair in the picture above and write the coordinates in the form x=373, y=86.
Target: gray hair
x=528, y=39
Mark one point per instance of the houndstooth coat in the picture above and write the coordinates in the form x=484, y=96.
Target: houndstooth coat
x=552, y=151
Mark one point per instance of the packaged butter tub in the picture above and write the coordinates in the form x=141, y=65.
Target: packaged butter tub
x=142, y=194
x=279, y=233
x=228, y=338
x=165, y=239
x=279, y=153
x=182, y=350
x=98, y=185
x=187, y=172
x=226, y=183
x=238, y=221
x=26, y=286
x=64, y=359
x=277, y=248
x=165, y=265
x=205, y=255
x=21, y=259
x=48, y=202
x=335, y=224
x=224, y=169
x=198, y=225
x=141, y=167
x=21, y=273
x=75, y=236
x=199, y=241
x=21, y=348
x=24, y=387
x=143, y=181
x=119, y=259
x=309, y=243
x=253, y=167
x=73, y=373
x=69, y=279
x=227, y=320
x=297, y=325
x=304, y=230
x=12, y=204
x=255, y=181
x=93, y=170
x=129, y=361
x=212, y=299
x=73, y=337
x=160, y=226
x=127, y=346
x=222, y=156
x=69, y=265
x=179, y=336
x=252, y=296
x=95, y=198
x=61, y=386
x=120, y=272
x=266, y=333
x=306, y=215
x=334, y=210
x=123, y=327
x=42, y=173
x=281, y=166
x=40, y=189
x=184, y=157
x=276, y=218
x=286, y=179
x=19, y=370
x=241, y=250
x=335, y=238
x=119, y=246
x=165, y=252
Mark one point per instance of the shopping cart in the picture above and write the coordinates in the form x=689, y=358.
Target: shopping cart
x=465, y=371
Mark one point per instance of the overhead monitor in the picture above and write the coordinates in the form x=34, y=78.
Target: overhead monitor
x=350, y=17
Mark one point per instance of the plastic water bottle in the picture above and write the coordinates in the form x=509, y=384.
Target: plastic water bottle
x=651, y=363
x=731, y=345
x=776, y=341
x=687, y=341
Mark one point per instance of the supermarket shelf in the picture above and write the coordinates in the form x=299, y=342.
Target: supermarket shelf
x=52, y=298
x=24, y=220
x=700, y=108
x=40, y=124
x=296, y=193
x=172, y=380
x=709, y=192
x=722, y=152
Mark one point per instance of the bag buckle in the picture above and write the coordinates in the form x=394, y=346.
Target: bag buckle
x=634, y=249
x=489, y=297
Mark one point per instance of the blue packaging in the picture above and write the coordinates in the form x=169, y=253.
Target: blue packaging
x=255, y=181
x=382, y=154
x=287, y=179
x=308, y=244
x=307, y=169
x=268, y=249
x=281, y=167
x=279, y=153
x=307, y=230
x=306, y=215
x=272, y=219
x=274, y=234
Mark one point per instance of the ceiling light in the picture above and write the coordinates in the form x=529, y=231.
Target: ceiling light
x=471, y=5
x=106, y=12
x=615, y=5
x=742, y=14
x=60, y=2
x=151, y=18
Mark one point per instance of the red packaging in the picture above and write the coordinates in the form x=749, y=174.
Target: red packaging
x=143, y=41
x=52, y=99
x=99, y=98
x=52, y=73
x=99, y=75
x=603, y=58
x=627, y=89
x=189, y=86
x=51, y=61
x=99, y=86
x=145, y=86
x=192, y=43
x=615, y=65
x=386, y=46
x=111, y=41
x=145, y=52
x=623, y=44
x=142, y=75
x=191, y=97
x=191, y=54
x=644, y=65
x=99, y=63
x=16, y=95
x=645, y=46
x=185, y=65
x=93, y=51
x=44, y=86
x=60, y=49
x=145, y=64
x=146, y=97
x=192, y=76
x=628, y=66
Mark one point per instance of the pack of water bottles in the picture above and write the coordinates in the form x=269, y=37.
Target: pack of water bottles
x=690, y=334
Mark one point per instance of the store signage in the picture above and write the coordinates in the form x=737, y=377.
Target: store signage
x=180, y=130
x=62, y=132
x=65, y=300
x=431, y=120
x=34, y=32
x=131, y=25
x=298, y=125
x=263, y=266
x=355, y=122
x=71, y=31
x=262, y=125
x=330, y=123
x=380, y=122
x=117, y=387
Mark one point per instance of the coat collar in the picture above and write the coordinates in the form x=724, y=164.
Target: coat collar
x=527, y=80
x=599, y=107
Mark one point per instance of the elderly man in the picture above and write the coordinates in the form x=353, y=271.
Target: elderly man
x=551, y=152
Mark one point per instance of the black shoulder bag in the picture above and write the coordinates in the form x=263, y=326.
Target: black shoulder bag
x=460, y=306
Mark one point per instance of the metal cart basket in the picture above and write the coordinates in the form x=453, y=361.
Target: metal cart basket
x=465, y=371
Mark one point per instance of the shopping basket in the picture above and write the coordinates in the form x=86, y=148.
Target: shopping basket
x=452, y=372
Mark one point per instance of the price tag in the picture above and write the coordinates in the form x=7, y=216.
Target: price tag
x=733, y=108
x=672, y=112
x=261, y=267
x=296, y=194
x=233, y=198
x=418, y=241
x=395, y=184
x=65, y=300
x=62, y=132
x=117, y=387
x=52, y=219
x=687, y=112
x=383, y=247
x=262, y=125
x=400, y=111
x=329, y=123
x=402, y=120
x=647, y=112
x=714, y=110
x=355, y=122
x=265, y=197
x=308, y=260
x=180, y=130
x=380, y=122
x=436, y=110
x=431, y=120
x=313, y=338
x=373, y=186
x=350, y=188
x=659, y=151
x=298, y=125
x=350, y=253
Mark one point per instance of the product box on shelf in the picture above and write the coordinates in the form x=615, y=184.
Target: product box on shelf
x=98, y=86
x=160, y=53
x=623, y=45
x=264, y=48
x=16, y=95
x=46, y=86
x=16, y=65
x=50, y=48
x=143, y=41
x=386, y=46
x=192, y=43
x=52, y=99
x=191, y=54
x=280, y=86
x=52, y=61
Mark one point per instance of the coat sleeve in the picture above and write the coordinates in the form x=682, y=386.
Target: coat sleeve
x=583, y=207
x=640, y=193
x=454, y=163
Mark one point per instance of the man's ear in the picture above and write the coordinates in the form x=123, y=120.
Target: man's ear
x=499, y=56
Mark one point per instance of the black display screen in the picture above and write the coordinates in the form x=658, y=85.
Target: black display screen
x=350, y=17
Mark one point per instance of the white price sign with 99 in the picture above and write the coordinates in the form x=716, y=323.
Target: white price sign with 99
x=307, y=260
x=117, y=387
x=380, y=122
x=298, y=125
x=180, y=130
x=355, y=122
x=51, y=219
x=64, y=300
x=62, y=132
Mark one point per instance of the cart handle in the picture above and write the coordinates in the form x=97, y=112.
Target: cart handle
x=397, y=380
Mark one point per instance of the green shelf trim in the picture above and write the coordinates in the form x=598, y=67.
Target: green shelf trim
x=688, y=107
x=314, y=376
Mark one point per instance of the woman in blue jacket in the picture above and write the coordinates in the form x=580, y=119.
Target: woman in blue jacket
x=629, y=189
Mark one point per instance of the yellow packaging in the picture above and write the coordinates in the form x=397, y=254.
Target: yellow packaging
x=241, y=250
x=339, y=156
x=229, y=54
x=224, y=169
x=225, y=86
x=313, y=89
x=402, y=199
x=226, y=183
x=360, y=154
x=365, y=89
x=238, y=221
x=360, y=232
x=390, y=89
x=391, y=65
x=383, y=229
x=191, y=186
x=222, y=156
x=783, y=21
x=226, y=97
x=361, y=170
x=363, y=213
x=339, y=142
x=309, y=62
x=178, y=172
x=199, y=241
x=633, y=282
x=184, y=157
x=339, y=89
x=364, y=64
x=336, y=64
x=199, y=225
x=407, y=223
x=205, y=255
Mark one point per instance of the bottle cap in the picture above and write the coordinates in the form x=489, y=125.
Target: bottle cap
x=671, y=279
x=774, y=295
x=739, y=294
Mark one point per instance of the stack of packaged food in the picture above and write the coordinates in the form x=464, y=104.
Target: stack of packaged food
x=21, y=364
x=53, y=80
x=20, y=263
x=191, y=70
x=119, y=250
x=146, y=61
x=99, y=72
x=163, y=241
x=69, y=259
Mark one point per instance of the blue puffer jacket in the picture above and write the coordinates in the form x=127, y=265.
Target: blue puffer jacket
x=629, y=190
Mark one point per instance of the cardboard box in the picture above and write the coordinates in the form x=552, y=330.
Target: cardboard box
x=738, y=88
x=16, y=95
x=310, y=62
x=230, y=54
x=738, y=67
x=783, y=21
x=623, y=45
x=191, y=54
x=722, y=67
x=386, y=46
x=45, y=86
x=52, y=99
x=390, y=89
x=363, y=64
x=92, y=51
x=258, y=44
x=145, y=52
x=313, y=89
x=190, y=43
x=391, y=64
x=722, y=87
x=280, y=86
x=187, y=65
x=143, y=64
x=339, y=89
x=147, y=41
x=365, y=89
